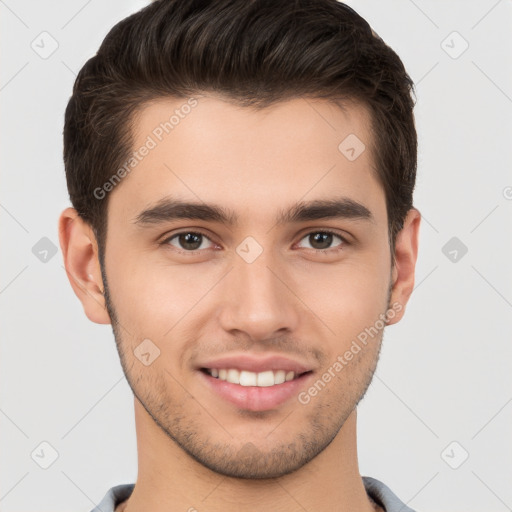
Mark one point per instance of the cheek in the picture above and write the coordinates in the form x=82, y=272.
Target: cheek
x=152, y=295
x=349, y=296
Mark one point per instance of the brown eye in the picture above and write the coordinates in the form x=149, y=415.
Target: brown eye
x=188, y=241
x=323, y=240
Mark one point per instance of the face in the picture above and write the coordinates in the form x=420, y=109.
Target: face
x=278, y=265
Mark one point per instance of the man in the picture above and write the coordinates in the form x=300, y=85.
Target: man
x=242, y=176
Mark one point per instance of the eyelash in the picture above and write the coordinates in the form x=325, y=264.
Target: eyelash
x=344, y=243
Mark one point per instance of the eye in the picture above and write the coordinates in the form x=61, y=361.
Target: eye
x=189, y=241
x=322, y=240
x=194, y=241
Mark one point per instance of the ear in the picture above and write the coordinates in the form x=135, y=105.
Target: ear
x=80, y=252
x=406, y=252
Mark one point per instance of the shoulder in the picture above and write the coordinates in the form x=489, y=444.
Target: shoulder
x=114, y=497
x=383, y=496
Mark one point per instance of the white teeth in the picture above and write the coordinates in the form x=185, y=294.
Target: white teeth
x=233, y=376
x=245, y=378
x=279, y=377
x=266, y=379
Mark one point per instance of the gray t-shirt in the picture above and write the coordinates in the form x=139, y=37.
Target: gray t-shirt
x=378, y=492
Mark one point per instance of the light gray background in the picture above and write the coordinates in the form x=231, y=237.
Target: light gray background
x=444, y=374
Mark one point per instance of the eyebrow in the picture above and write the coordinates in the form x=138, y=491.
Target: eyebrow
x=169, y=209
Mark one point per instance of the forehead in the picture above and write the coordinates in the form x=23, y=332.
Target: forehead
x=208, y=149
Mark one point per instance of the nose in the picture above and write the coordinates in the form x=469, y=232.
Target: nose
x=259, y=300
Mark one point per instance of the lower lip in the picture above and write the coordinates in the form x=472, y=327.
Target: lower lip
x=254, y=398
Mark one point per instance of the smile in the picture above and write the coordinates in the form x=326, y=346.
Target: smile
x=246, y=378
x=255, y=391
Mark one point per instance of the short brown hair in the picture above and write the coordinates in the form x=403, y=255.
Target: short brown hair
x=252, y=52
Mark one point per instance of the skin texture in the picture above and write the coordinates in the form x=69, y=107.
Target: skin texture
x=195, y=449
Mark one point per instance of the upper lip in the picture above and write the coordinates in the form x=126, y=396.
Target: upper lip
x=255, y=364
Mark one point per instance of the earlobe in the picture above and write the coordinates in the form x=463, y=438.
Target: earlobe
x=80, y=254
x=406, y=253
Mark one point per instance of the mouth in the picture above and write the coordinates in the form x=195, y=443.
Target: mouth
x=266, y=390
x=266, y=378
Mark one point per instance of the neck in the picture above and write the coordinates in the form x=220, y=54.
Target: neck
x=170, y=480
